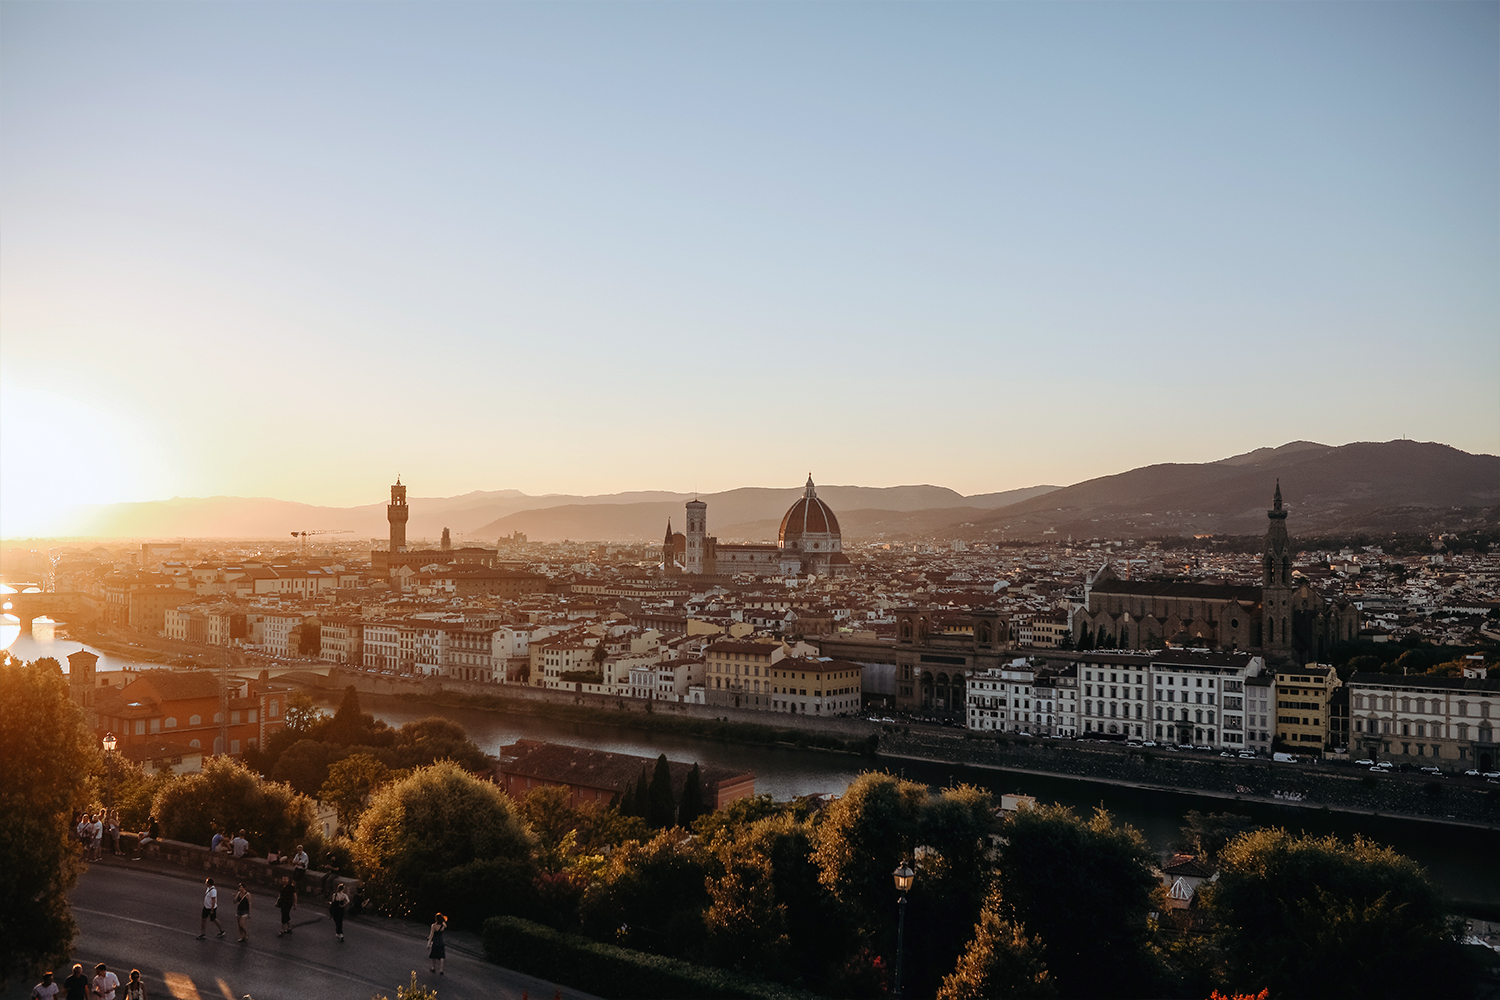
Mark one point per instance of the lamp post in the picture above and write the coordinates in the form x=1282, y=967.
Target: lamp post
x=109, y=743
x=904, y=877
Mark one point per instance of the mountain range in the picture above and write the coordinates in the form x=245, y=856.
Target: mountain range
x=1385, y=486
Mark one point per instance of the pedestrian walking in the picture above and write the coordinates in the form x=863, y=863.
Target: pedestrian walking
x=76, y=986
x=286, y=901
x=242, y=912
x=436, y=951
x=135, y=989
x=46, y=989
x=106, y=984
x=336, y=907
x=210, y=909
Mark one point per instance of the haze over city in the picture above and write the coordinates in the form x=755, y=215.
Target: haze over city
x=290, y=251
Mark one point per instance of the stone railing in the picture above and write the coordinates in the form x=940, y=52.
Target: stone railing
x=226, y=869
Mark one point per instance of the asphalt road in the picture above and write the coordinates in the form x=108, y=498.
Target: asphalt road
x=147, y=918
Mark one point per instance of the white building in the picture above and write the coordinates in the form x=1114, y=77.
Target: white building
x=1115, y=693
x=1004, y=699
x=1198, y=697
x=1444, y=722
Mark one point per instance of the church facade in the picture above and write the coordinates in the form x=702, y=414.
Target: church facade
x=1283, y=618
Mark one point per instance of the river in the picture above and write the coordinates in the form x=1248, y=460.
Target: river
x=1460, y=859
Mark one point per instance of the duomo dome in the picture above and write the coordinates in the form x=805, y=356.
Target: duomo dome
x=810, y=536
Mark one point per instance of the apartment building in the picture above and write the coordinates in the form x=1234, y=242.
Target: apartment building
x=1115, y=693
x=1302, y=697
x=1198, y=696
x=1260, y=712
x=1445, y=722
x=815, y=685
x=738, y=673
x=1007, y=699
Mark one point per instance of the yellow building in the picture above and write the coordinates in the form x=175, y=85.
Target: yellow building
x=1302, y=695
x=808, y=686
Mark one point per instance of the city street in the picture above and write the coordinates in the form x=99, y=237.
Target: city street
x=131, y=916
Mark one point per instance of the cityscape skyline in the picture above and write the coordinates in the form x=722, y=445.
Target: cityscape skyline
x=272, y=252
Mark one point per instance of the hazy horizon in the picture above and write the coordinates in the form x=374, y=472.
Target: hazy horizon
x=291, y=250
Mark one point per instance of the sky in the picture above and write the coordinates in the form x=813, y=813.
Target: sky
x=291, y=250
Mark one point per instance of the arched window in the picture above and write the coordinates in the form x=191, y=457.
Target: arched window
x=195, y=744
x=171, y=722
x=195, y=720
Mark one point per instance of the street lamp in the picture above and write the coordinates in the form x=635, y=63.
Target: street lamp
x=109, y=770
x=904, y=877
x=110, y=743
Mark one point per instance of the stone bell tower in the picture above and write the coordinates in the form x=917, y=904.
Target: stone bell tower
x=396, y=513
x=697, y=533
x=1276, y=581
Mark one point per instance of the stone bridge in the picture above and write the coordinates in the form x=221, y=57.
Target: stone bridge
x=70, y=607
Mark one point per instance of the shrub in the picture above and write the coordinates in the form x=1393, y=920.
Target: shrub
x=228, y=794
x=612, y=971
x=422, y=836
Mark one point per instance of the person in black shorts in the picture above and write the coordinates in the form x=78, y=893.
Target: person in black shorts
x=242, y=912
x=435, y=941
x=286, y=899
x=210, y=909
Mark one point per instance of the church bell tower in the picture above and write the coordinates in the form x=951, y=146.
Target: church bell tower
x=1276, y=581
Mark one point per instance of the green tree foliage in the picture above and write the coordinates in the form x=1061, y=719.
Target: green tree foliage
x=429, y=740
x=348, y=724
x=133, y=790
x=953, y=831
x=694, y=799
x=1206, y=834
x=865, y=835
x=47, y=758
x=350, y=784
x=728, y=822
x=302, y=716
x=227, y=794
x=768, y=913
x=651, y=896
x=438, y=831
x=1320, y=917
x=661, y=809
x=1000, y=961
x=1084, y=887
x=304, y=765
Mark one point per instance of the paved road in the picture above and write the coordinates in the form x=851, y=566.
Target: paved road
x=136, y=917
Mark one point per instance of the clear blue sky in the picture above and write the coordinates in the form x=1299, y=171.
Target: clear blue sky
x=290, y=249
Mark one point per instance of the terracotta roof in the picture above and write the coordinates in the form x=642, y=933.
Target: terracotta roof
x=156, y=750
x=1174, y=588
x=808, y=516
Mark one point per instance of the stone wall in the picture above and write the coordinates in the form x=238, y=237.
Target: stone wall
x=226, y=869
x=1343, y=787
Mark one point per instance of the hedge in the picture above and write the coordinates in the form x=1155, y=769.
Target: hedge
x=613, y=972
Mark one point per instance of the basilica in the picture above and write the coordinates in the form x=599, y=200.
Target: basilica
x=808, y=543
x=1283, y=618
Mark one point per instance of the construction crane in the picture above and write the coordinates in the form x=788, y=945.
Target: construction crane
x=321, y=531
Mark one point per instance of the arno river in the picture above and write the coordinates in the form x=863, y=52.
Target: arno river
x=1462, y=860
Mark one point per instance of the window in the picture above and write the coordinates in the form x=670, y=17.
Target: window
x=171, y=722
x=195, y=720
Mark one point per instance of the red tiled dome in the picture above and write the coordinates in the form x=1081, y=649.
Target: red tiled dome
x=808, y=516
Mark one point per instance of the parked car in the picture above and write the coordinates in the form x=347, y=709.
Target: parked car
x=1247, y=756
x=1365, y=763
x=1472, y=772
x=1149, y=743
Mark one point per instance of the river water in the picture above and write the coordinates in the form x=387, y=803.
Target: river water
x=1461, y=860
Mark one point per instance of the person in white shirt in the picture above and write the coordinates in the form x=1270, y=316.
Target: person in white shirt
x=105, y=983
x=210, y=909
x=46, y=989
x=299, y=867
x=96, y=831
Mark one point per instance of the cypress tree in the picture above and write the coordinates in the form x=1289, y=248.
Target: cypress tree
x=661, y=810
x=692, y=805
x=640, y=798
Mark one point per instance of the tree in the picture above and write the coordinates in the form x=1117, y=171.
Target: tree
x=228, y=795
x=47, y=757
x=304, y=765
x=694, y=802
x=429, y=740
x=348, y=726
x=1319, y=917
x=301, y=714
x=865, y=835
x=350, y=784
x=661, y=809
x=1205, y=835
x=1084, y=888
x=1000, y=961
x=417, y=833
x=651, y=896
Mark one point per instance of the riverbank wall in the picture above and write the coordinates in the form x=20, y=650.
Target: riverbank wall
x=1341, y=788
x=1334, y=787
